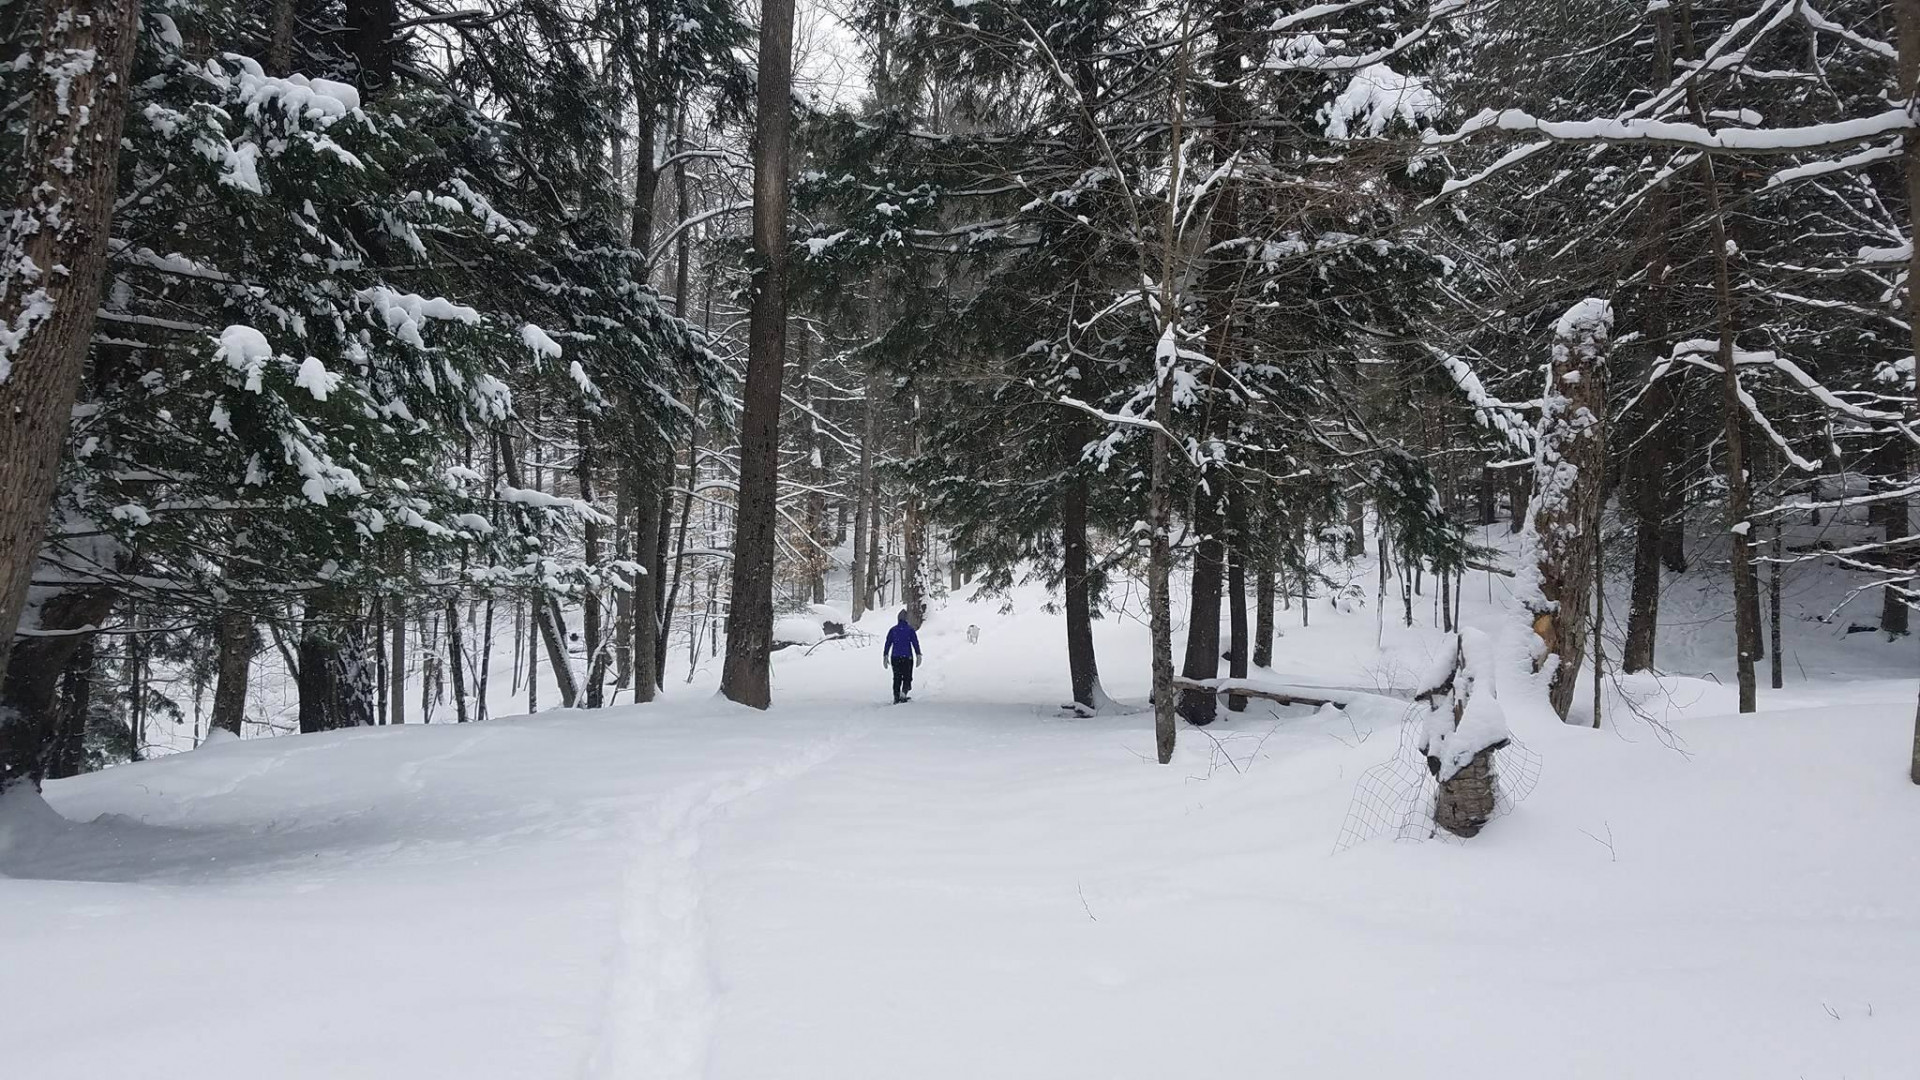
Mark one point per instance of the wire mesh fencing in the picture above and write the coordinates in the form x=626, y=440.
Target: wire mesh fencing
x=1396, y=797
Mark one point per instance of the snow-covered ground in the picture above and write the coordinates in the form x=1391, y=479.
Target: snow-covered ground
x=972, y=885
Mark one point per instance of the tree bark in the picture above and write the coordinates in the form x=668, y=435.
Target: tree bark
x=29, y=696
x=280, y=40
x=235, y=631
x=1159, y=571
x=456, y=662
x=873, y=543
x=1569, y=462
x=1082, y=670
x=815, y=470
x=680, y=539
x=372, y=40
x=651, y=484
x=68, y=755
x=1236, y=595
x=1773, y=609
x=744, y=675
x=1907, y=20
x=1746, y=601
x=595, y=647
x=857, y=573
x=1649, y=471
x=624, y=530
x=52, y=257
x=335, y=679
x=1263, y=596
x=1202, y=660
x=397, y=662
x=547, y=617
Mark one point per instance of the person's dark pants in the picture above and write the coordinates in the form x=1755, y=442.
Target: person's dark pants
x=902, y=676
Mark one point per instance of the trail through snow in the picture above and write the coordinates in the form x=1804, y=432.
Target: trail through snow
x=660, y=1002
x=973, y=884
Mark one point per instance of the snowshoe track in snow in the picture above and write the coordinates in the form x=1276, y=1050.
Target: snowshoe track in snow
x=661, y=1005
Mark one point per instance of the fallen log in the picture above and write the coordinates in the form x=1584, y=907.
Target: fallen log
x=1289, y=694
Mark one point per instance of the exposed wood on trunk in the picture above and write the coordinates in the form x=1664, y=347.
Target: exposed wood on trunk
x=1568, y=468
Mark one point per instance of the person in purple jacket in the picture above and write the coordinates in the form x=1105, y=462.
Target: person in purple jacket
x=901, y=652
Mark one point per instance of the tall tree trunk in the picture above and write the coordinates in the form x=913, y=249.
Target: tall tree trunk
x=1648, y=470
x=30, y=694
x=1236, y=594
x=1774, y=660
x=397, y=662
x=280, y=40
x=547, y=617
x=1895, y=520
x=652, y=482
x=456, y=662
x=857, y=573
x=371, y=38
x=335, y=680
x=680, y=539
x=815, y=471
x=595, y=648
x=624, y=631
x=1356, y=527
x=1907, y=20
x=1159, y=571
x=52, y=257
x=68, y=754
x=1202, y=660
x=235, y=633
x=553, y=631
x=1263, y=597
x=1746, y=601
x=744, y=675
x=874, y=599
x=1082, y=670
x=1568, y=464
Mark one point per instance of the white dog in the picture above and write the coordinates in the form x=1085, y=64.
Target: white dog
x=973, y=635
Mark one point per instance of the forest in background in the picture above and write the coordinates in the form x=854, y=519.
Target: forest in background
x=387, y=337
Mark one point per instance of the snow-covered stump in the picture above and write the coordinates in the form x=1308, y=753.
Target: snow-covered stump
x=1465, y=727
x=1568, y=475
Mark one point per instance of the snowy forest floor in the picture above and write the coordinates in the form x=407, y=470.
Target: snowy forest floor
x=973, y=885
